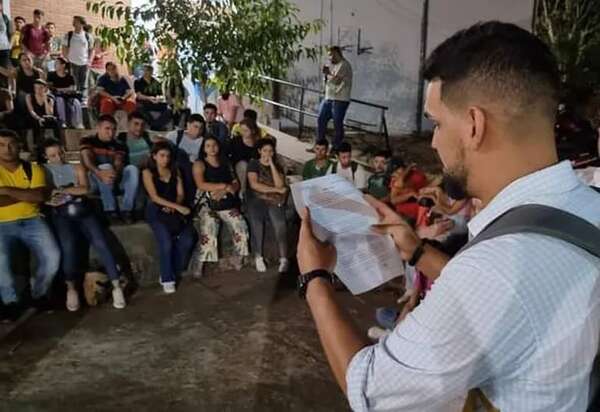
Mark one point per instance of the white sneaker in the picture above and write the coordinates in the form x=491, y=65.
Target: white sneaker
x=284, y=265
x=260, y=264
x=72, y=300
x=118, y=297
x=169, y=287
x=376, y=333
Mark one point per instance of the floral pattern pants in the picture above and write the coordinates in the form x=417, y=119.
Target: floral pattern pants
x=208, y=225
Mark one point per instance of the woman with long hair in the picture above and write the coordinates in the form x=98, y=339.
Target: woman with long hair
x=267, y=196
x=214, y=177
x=40, y=106
x=68, y=103
x=167, y=215
x=73, y=217
x=243, y=149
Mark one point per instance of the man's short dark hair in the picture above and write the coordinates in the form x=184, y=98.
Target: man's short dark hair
x=38, y=12
x=108, y=64
x=336, y=49
x=107, y=118
x=500, y=61
x=322, y=142
x=383, y=153
x=345, y=147
x=196, y=117
x=9, y=134
x=250, y=114
x=81, y=19
x=16, y=19
x=50, y=23
x=149, y=67
x=136, y=115
x=210, y=106
x=50, y=143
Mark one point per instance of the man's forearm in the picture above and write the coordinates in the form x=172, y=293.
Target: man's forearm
x=37, y=195
x=432, y=262
x=7, y=201
x=339, y=336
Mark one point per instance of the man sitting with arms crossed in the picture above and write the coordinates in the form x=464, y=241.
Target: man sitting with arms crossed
x=22, y=189
x=105, y=159
x=516, y=315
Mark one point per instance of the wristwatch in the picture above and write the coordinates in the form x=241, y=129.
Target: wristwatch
x=418, y=253
x=304, y=280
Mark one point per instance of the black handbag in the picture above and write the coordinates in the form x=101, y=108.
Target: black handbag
x=230, y=201
x=77, y=207
x=174, y=222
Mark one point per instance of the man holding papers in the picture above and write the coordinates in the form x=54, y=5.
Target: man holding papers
x=516, y=315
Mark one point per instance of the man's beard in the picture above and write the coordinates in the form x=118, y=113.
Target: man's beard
x=454, y=183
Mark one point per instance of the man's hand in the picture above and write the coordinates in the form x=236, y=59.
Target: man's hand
x=391, y=223
x=106, y=176
x=440, y=227
x=312, y=253
x=184, y=210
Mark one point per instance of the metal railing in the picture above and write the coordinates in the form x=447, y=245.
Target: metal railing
x=381, y=126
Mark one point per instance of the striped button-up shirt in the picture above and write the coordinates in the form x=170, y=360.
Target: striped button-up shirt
x=517, y=316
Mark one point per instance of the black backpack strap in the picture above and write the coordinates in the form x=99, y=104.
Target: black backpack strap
x=28, y=170
x=69, y=37
x=354, y=167
x=543, y=220
x=147, y=139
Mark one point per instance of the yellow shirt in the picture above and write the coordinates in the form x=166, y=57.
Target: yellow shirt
x=18, y=179
x=15, y=45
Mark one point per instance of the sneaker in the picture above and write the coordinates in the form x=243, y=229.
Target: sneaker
x=260, y=264
x=169, y=287
x=376, y=333
x=128, y=218
x=72, y=300
x=284, y=265
x=118, y=298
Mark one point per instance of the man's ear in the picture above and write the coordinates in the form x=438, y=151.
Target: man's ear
x=477, y=119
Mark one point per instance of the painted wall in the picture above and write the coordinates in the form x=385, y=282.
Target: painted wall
x=388, y=73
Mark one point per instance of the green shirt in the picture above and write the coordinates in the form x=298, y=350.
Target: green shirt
x=138, y=151
x=311, y=170
x=378, y=185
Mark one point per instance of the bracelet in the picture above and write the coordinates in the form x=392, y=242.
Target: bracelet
x=418, y=253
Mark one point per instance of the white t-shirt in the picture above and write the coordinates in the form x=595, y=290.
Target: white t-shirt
x=358, y=178
x=79, y=48
x=188, y=145
x=4, y=40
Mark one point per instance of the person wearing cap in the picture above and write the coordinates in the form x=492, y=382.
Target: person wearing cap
x=40, y=106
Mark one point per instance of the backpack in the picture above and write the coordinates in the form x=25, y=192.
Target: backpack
x=87, y=38
x=353, y=166
x=558, y=224
x=28, y=170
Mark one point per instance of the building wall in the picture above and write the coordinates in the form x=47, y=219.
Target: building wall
x=60, y=12
x=388, y=73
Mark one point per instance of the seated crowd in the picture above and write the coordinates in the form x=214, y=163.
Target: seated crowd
x=184, y=185
x=55, y=82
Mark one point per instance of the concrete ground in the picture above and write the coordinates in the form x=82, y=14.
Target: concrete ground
x=234, y=341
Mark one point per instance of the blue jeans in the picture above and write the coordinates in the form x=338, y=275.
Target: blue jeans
x=336, y=110
x=35, y=234
x=69, y=231
x=173, y=251
x=129, y=182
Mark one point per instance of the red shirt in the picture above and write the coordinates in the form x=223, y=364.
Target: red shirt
x=35, y=40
